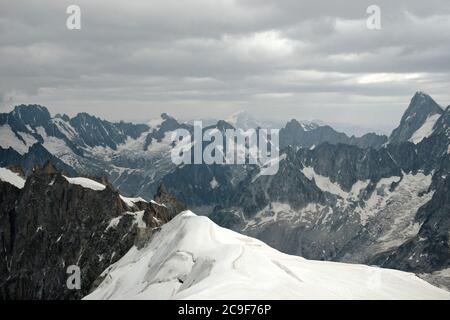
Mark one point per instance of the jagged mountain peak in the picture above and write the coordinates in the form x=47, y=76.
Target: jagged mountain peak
x=293, y=123
x=165, y=116
x=168, y=122
x=31, y=108
x=22, y=115
x=84, y=116
x=221, y=125
x=310, y=134
x=160, y=128
x=305, y=125
x=164, y=122
x=418, y=120
x=422, y=102
x=95, y=131
x=63, y=116
x=170, y=202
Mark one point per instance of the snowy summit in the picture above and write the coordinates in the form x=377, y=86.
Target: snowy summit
x=193, y=258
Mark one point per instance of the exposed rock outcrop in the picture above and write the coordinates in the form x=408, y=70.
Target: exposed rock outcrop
x=52, y=223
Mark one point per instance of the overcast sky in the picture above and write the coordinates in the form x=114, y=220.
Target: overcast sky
x=316, y=59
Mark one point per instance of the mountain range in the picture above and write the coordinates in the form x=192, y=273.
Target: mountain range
x=373, y=199
x=134, y=157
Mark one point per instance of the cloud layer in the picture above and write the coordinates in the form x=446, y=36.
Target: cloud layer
x=200, y=58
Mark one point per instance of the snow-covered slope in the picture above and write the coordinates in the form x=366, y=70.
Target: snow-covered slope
x=193, y=258
x=13, y=178
x=425, y=130
x=10, y=140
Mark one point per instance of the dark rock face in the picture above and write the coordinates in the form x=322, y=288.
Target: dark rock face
x=78, y=133
x=130, y=129
x=298, y=135
x=347, y=164
x=442, y=126
x=369, y=140
x=8, y=199
x=171, y=205
x=93, y=131
x=421, y=107
x=29, y=118
x=260, y=191
x=36, y=156
x=51, y=224
x=200, y=185
x=429, y=250
x=23, y=115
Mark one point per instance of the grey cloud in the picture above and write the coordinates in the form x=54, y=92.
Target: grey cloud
x=202, y=58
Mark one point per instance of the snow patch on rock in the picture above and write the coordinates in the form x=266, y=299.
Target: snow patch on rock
x=213, y=183
x=86, y=183
x=130, y=202
x=425, y=130
x=13, y=178
x=10, y=140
